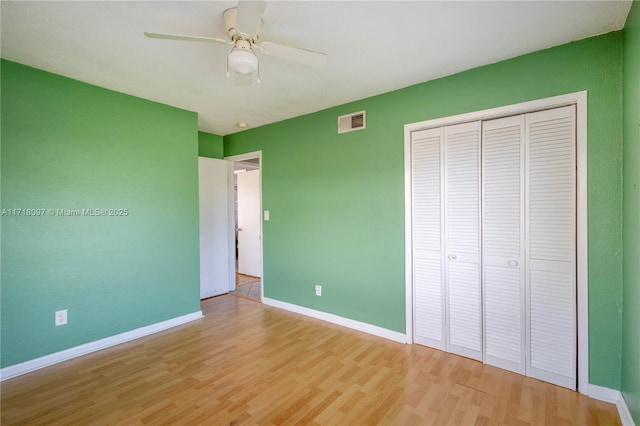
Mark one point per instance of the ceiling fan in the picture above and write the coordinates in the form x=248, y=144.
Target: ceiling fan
x=243, y=24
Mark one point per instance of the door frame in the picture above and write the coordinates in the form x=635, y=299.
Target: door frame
x=232, y=238
x=579, y=99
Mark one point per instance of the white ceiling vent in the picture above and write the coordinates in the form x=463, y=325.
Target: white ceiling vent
x=351, y=122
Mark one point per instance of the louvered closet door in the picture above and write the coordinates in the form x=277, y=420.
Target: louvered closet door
x=462, y=238
x=551, y=235
x=503, y=242
x=426, y=207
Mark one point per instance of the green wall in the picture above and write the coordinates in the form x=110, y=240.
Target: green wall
x=210, y=145
x=337, y=201
x=70, y=145
x=631, y=215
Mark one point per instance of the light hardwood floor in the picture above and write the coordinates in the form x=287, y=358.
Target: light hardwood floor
x=246, y=363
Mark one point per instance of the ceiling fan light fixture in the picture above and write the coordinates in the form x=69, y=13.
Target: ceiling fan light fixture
x=243, y=61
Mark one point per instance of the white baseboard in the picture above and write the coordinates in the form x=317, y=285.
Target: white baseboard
x=625, y=414
x=604, y=394
x=615, y=397
x=335, y=319
x=47, y=360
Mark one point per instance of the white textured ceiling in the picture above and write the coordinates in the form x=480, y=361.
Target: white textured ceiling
x=373, y=47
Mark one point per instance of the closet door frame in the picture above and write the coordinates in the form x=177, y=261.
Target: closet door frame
x=579, y=99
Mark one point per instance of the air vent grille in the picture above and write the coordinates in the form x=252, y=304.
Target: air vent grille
x=351, y=122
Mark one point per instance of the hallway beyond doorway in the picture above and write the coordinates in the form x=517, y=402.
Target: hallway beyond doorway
x=247, y=286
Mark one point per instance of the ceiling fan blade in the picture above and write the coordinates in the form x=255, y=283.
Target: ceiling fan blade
x=293, y=54
x=187, y=38
x=249, y=16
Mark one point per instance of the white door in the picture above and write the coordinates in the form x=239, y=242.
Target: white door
x=551, y=238
x=249, y=261
x=462, y=238
x=426, y=212
x=215, y=273
x=503, y=242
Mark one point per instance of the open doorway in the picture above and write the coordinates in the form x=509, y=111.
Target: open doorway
x=247, y=225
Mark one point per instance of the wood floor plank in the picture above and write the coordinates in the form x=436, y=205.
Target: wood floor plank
x=247, y=363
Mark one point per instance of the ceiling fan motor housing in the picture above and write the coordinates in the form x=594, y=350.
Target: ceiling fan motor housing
x=243, y=44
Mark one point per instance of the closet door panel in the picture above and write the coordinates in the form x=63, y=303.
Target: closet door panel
x=553, y=337
x=551, y=231
x=462, y=238
x=504, y=318
x=428, y=285
x=503, y=243
x=465, y=332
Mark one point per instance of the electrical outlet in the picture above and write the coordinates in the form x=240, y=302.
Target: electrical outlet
x=318, y=290
x=61, y=317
